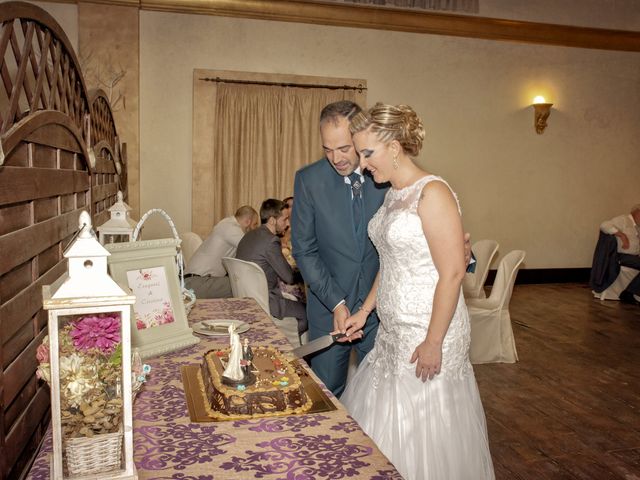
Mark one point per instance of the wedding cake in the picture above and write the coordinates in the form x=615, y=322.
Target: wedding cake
x=276, y=387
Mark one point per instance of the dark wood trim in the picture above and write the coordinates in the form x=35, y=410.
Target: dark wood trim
x=406, y=21
x=547, y=275
x=362, y=16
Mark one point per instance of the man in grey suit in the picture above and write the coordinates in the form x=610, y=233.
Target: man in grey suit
x=334, y=202
x=262, y=246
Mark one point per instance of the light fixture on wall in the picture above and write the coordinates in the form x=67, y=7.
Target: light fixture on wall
x=542, y=110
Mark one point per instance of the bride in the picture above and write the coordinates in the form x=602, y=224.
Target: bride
x=415, y=393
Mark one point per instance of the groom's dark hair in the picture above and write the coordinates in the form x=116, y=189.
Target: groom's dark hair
x=271, y=207
x=336, y=110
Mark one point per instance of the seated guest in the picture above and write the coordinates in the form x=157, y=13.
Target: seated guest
x=205, y=274
x=262, y=246
x=286, y=236
x=296, y=290
x=626, y=228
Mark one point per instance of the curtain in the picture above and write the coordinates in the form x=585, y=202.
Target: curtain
x=262, y=135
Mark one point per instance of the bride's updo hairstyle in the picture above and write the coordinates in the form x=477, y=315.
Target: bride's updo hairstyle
x=391, y=122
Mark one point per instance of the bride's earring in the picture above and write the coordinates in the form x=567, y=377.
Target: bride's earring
x=395, y=162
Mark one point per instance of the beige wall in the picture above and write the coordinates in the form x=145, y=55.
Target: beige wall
x=67, y=16
x=108, y=50
x=543, y=193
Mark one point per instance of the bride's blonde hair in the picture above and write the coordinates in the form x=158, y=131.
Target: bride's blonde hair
x=392, y=122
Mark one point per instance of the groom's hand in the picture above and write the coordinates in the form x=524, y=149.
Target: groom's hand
x=340, y=315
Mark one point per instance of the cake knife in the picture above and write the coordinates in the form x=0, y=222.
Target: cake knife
x=317, y=344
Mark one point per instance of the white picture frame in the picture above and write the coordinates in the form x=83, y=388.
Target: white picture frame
x=158, y=319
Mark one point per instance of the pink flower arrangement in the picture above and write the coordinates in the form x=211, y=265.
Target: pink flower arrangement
x=101, y=331
x=90, y=368
x=42, y=353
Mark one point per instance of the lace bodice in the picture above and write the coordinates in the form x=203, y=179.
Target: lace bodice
x=408, y=278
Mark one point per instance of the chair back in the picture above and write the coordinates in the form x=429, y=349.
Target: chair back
x=247, y=280
x=505, y=278
x=473, y=283
x=190, y=243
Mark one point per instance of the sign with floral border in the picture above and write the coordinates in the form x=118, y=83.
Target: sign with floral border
x=148, y=268
x=153, y=303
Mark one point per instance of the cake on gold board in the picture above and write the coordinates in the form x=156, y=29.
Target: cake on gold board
x=241, y=382
x=276, y=390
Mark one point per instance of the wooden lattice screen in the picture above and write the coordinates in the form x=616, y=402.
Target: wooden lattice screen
x=59, y=155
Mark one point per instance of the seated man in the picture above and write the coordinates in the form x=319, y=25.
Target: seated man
x=205, y=274
x=262, y=246
x=285, y=238
x=627, y=230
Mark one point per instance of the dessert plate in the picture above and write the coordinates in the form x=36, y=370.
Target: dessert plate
x=219, y=327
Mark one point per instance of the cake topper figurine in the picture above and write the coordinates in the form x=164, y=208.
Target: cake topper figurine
x=235, y=372
x=247, y=357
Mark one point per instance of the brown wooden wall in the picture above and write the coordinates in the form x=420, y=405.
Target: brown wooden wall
x=59, y=155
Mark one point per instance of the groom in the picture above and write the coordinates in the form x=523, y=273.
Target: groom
x=334, y=202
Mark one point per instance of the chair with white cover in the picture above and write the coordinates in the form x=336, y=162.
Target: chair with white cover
x=190, y=243
x=248, y=280
x=473, y=283
x=491, y=332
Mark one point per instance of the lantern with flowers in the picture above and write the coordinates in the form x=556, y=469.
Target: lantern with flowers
x=86, y=359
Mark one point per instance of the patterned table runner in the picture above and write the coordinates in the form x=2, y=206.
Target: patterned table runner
x=328, y=445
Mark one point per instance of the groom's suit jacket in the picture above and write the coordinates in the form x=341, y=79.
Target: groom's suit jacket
x=335, y=263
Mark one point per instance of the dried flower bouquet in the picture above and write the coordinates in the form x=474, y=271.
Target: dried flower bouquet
x=90, y=360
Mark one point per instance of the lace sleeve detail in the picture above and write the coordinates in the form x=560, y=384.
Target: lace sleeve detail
x=432, y=178
x=408, y=198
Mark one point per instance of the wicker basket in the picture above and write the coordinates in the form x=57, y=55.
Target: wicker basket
x=87, y=455
x=188, y=297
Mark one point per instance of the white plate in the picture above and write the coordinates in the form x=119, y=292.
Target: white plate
x=219, y=327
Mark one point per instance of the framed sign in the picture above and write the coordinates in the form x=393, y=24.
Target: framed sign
x=148, y=268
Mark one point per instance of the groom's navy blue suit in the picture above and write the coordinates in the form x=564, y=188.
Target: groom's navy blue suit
x=335, y=262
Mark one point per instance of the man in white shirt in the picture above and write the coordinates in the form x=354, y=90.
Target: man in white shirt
x=627, y=230
x=205, y=274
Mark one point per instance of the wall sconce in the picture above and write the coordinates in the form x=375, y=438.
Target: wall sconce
x=542, y=110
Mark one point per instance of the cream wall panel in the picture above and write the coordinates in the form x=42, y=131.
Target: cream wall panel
x=543, y=193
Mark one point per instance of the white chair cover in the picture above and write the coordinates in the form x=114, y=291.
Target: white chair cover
x=473, y=283
x=491, y=333
x=190, y=243
x=248, y=280
x=622, y=281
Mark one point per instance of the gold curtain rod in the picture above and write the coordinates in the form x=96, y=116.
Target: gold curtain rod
x=359, y=88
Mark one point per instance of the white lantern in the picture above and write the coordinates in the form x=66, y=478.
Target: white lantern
x=119, y=228
x=89, y=366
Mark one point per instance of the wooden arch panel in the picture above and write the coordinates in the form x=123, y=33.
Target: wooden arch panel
x=59, y=155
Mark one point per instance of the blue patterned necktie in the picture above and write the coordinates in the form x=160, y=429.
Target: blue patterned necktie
x=356, y=204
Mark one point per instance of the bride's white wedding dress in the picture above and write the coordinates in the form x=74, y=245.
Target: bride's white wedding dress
x=434, y=430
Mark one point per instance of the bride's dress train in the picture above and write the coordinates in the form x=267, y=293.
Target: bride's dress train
x=433, y=430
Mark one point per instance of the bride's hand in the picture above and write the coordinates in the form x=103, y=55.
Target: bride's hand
x=353, y=326
x=429, y=360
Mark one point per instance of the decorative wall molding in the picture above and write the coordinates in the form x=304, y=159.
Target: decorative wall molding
x=360, y=16
x=468, y=6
